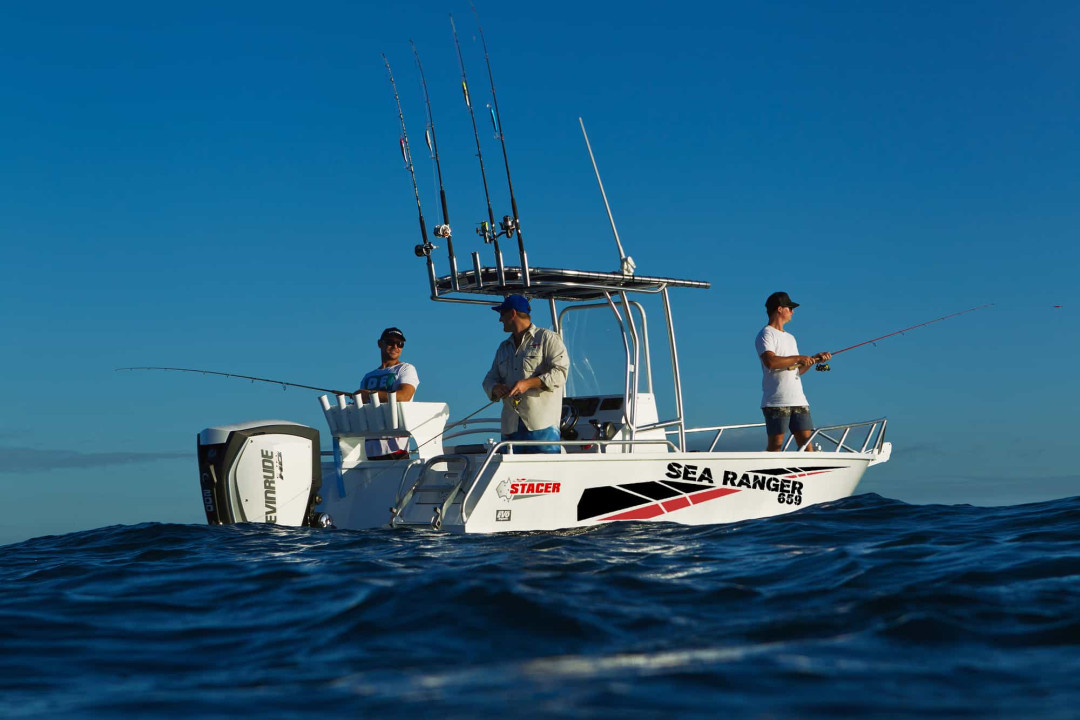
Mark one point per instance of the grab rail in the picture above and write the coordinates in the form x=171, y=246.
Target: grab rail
x=399, y=506
x=875, y=430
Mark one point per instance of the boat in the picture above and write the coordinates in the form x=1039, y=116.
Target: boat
x=626, y=451
x=620, y=458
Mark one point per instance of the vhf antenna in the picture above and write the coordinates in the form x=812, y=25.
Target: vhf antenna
x=486, y=229
x=425, y=248
x=626, y=263
x=509, y=225
x=441, y=231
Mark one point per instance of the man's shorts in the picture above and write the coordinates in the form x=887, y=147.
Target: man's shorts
x=550, y=434
x=781, y=420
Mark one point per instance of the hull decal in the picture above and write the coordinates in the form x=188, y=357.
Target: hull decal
x=647, y=500
x=796, y=471
x=642, y=513
x=604, y=501
x=633, y=509
x=698, y=498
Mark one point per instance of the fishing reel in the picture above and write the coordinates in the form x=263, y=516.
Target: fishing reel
x=508, y=226
x=484, y=231
x=822, y=367
x=442, y=231
x=425, y=249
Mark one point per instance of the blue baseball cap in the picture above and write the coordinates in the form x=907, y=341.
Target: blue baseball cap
x=514, y=302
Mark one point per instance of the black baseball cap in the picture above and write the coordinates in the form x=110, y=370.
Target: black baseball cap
x=392, y=333
x=779, y=300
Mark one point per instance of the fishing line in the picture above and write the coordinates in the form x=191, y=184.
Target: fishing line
x=283, y=384
x=824, y=367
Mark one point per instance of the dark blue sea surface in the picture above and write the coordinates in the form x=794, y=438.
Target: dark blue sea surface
x=865, y=607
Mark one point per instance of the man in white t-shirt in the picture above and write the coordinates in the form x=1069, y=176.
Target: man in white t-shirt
x=391, y=376
x=783, y=403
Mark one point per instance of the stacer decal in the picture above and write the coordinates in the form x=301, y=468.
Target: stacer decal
x=520, y=488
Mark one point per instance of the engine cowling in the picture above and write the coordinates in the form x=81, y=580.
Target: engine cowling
x=264, y=471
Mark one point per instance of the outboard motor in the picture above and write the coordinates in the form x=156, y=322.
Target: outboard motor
x=265, y=471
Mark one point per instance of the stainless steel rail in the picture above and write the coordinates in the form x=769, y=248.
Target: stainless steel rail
x=875, y=430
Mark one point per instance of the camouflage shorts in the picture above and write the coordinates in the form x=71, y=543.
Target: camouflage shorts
x=781, y=420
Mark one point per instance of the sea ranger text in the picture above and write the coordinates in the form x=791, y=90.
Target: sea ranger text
x=787, y=487
x=784, y=486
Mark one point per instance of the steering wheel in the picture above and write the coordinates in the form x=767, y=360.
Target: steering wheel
x=568, y=421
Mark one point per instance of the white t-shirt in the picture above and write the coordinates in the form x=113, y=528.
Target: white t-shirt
x=779, y=388
x=389, y=379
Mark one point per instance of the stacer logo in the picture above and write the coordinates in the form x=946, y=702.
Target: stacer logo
x=521, y=488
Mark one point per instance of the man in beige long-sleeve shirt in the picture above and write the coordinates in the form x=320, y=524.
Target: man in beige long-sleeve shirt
x=528, y=375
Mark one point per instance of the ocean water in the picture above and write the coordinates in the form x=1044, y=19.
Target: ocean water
x=865, y=607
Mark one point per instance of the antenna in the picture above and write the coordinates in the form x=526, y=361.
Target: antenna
x=486, y=229
x=626, y=263
x=508, y=227
x=424, y=249
x=443, y=230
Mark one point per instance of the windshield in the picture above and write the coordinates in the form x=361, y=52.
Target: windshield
x=597, y=351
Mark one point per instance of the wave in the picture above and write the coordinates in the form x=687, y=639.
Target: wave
x=864, y=606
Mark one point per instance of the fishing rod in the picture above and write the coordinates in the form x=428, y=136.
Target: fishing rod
x=509, y=225
x=486, y=229
x=441, y=231
x=824, y=367
x=242, y=377
x=425, y=248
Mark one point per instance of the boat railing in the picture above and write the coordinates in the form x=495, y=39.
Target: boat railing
x=835, y=436
x=872, y=441
x=486, y=427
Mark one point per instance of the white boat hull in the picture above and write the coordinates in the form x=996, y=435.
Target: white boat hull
x=525, y=493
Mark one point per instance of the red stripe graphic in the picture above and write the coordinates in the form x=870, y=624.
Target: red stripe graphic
x=650, y=511
x=677, y=504
x=641, y=513
x=701, y=497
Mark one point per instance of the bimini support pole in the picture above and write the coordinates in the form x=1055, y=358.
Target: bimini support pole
x=675, y=370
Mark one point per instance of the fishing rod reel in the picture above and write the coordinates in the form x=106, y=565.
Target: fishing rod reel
x=442, y=231
x=425, y=249
x=508, y=226
x=822, y=367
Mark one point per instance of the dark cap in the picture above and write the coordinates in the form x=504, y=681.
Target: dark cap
x=514, y=302
x=779, y=300
x=392, y=333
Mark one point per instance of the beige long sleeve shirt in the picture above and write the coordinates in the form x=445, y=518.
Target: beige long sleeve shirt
x=541, y=355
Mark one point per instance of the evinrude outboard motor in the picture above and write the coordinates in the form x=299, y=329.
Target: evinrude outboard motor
x=262, y=471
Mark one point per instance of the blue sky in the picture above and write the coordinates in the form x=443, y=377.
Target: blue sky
x=219, y=186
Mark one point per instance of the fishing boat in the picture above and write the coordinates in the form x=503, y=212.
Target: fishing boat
x=626, y=452
x=618, y=459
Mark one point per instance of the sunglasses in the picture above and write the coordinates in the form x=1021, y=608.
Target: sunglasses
x=394, y=343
